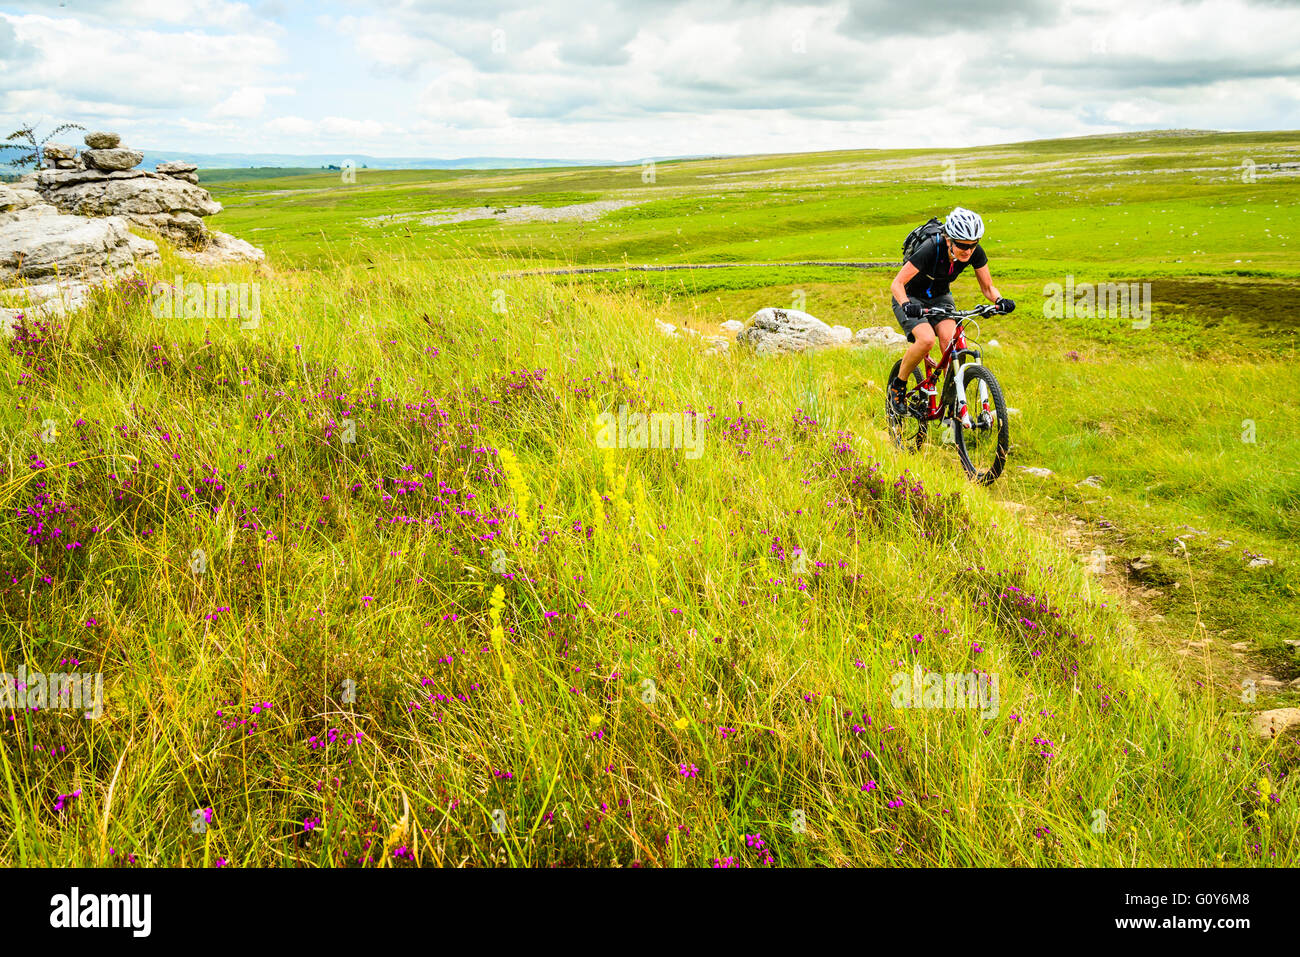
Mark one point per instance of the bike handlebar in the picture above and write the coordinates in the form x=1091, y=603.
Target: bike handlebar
x=984, y=309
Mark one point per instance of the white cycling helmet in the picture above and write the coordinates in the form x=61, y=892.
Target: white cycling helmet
x=963, y=225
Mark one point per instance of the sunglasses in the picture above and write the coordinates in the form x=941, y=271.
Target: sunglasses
x=964, y=246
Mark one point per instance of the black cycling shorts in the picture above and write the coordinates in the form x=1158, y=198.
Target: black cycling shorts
x=908, y=324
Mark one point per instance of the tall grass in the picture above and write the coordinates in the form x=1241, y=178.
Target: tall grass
x=662, y=680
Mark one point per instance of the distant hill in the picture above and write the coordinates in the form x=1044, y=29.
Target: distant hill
x=318, y=160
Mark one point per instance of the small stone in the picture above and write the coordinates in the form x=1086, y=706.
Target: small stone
x=1269, y=724
x=1259, y=561
x=878, y=336
x=1092, y=481
x=993, y=343
x=59, y=151
x=667, y=328
x=1240, y=646
x=174, y=167
x=733, y=325
x=1036, y=471
x=1011, y=411
x=99, y=140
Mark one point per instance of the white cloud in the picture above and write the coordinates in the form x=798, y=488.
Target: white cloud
x=654, y=77
x=248, y=102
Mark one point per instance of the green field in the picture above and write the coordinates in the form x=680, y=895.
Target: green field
x=280, y=544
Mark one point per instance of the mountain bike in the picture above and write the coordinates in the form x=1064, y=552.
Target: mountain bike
x=978, y=419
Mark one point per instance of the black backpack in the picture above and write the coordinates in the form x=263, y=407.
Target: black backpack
x=922, y=234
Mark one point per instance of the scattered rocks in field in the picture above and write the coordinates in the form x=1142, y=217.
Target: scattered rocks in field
x=1270, y=684
x=1259, y=561
x=575, y=212
x=717, y=344
x=993, y=343
x=841, y=333
x=1270, y=724
x=1240, y=646
x=667, y=328
x=1092, y=481
x=1139, y=564
x=1035, y=471
x=773, y=331
x=733, y=326
x=1223, y=543
x=878, y=336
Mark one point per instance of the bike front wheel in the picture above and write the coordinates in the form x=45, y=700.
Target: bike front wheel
x=982, y=445
x=907, y=431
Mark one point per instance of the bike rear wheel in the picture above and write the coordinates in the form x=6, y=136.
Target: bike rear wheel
x=982, y=446
x=907, y=431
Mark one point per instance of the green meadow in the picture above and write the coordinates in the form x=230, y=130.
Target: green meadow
x=366, y=587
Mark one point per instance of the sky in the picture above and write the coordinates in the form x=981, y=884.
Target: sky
x=632, y=79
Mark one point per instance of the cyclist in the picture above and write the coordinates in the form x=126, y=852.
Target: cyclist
x=923, y=283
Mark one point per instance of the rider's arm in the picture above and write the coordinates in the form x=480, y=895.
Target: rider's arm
x=898, y=287
x=986, y=284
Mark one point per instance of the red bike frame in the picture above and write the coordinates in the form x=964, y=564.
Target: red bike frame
x=929, y=385
x=933, y=370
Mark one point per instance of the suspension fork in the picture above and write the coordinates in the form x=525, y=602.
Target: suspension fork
x=962, y=403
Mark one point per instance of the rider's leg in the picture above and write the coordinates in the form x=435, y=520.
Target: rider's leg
x=945, y=330
x=923, y=334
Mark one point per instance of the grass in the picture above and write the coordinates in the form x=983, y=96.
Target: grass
x=280, y=547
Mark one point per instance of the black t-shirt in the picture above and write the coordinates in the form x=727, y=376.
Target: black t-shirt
x=932, y=260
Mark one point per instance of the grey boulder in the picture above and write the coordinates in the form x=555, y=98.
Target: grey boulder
x=174, y=167
x=168, y=206
x=47, y=245
x=99, y=140
x=223, y=248
x=112, y=159
x=773, y=331
x=59, y=151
